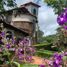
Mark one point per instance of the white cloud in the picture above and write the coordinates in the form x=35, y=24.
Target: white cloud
x=47, y=20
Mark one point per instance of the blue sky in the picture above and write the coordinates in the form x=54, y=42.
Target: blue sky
x=46, y=17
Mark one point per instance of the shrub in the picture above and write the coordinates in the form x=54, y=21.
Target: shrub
x=11, y=52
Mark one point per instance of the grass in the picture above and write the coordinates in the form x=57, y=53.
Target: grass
x=29, y=65
x=44, y=53
x=42, y=44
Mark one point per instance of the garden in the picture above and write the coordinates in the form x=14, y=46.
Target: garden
x=50, y=52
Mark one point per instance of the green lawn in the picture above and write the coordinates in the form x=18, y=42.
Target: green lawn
x=42, y=44
x=28, y=65
x=44, y=53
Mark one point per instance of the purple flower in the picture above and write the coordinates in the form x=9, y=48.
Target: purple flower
x=65, y=15
x=13, y=40
x=65, y=9
x=3, y=34
x=20, y=57
x=0, y=49
x=55, y=64
x=65, y=27
x=41, y=65
x=1, y=42
x=57, y=60
x=65, y=53
x=59, y=57
x=19, y=52
x=55, y=55
x=50, y=63
x=20, y=49
x=24, y=42
x=61, y=19
x=8, y=46
x=28, y=58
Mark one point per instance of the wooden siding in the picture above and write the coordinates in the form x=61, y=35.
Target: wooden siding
x=26, y=26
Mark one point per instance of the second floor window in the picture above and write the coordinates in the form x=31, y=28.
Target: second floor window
x=34, y=11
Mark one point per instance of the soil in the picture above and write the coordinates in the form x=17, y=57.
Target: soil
x=38, y=60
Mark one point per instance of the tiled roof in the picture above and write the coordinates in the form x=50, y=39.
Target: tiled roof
x=23, y=9
x=31, y=4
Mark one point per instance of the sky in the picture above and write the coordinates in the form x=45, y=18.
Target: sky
x=46, y=17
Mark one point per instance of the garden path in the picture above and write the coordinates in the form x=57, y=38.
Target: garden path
x=38, y=60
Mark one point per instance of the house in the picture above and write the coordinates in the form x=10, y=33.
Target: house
x=24, y=18
x=12, y=31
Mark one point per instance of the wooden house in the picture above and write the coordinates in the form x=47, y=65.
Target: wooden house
x=23, y=18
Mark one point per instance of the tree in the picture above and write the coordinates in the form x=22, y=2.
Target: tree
x=61, y=39
x=8, y=3
x=61, y=36
x=58, y=5
x=49, y=38
x=40, y=36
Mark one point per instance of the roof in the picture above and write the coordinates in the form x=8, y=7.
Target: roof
x=13, y=28
x=23, y=9
x=30, y=3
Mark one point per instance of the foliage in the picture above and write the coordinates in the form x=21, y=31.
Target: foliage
x=48, y=42
x=44, y=39
x=40, y=36
x=56, y=61
x=10, y=51
x=29, y=65
x=44, y=53
x=49, y=38
x=61, y=39
x=58, y=5
x=46, y=47
x=62, y=18
x=41, y=44
x=7, y=3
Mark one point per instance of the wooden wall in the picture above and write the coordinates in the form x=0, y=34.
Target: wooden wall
x=26, y=26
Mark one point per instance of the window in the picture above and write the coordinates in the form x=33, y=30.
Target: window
x=9, y=32
x=34, y=11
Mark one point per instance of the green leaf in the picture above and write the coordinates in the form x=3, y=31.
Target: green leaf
x=18, y=65
x=7, y=3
